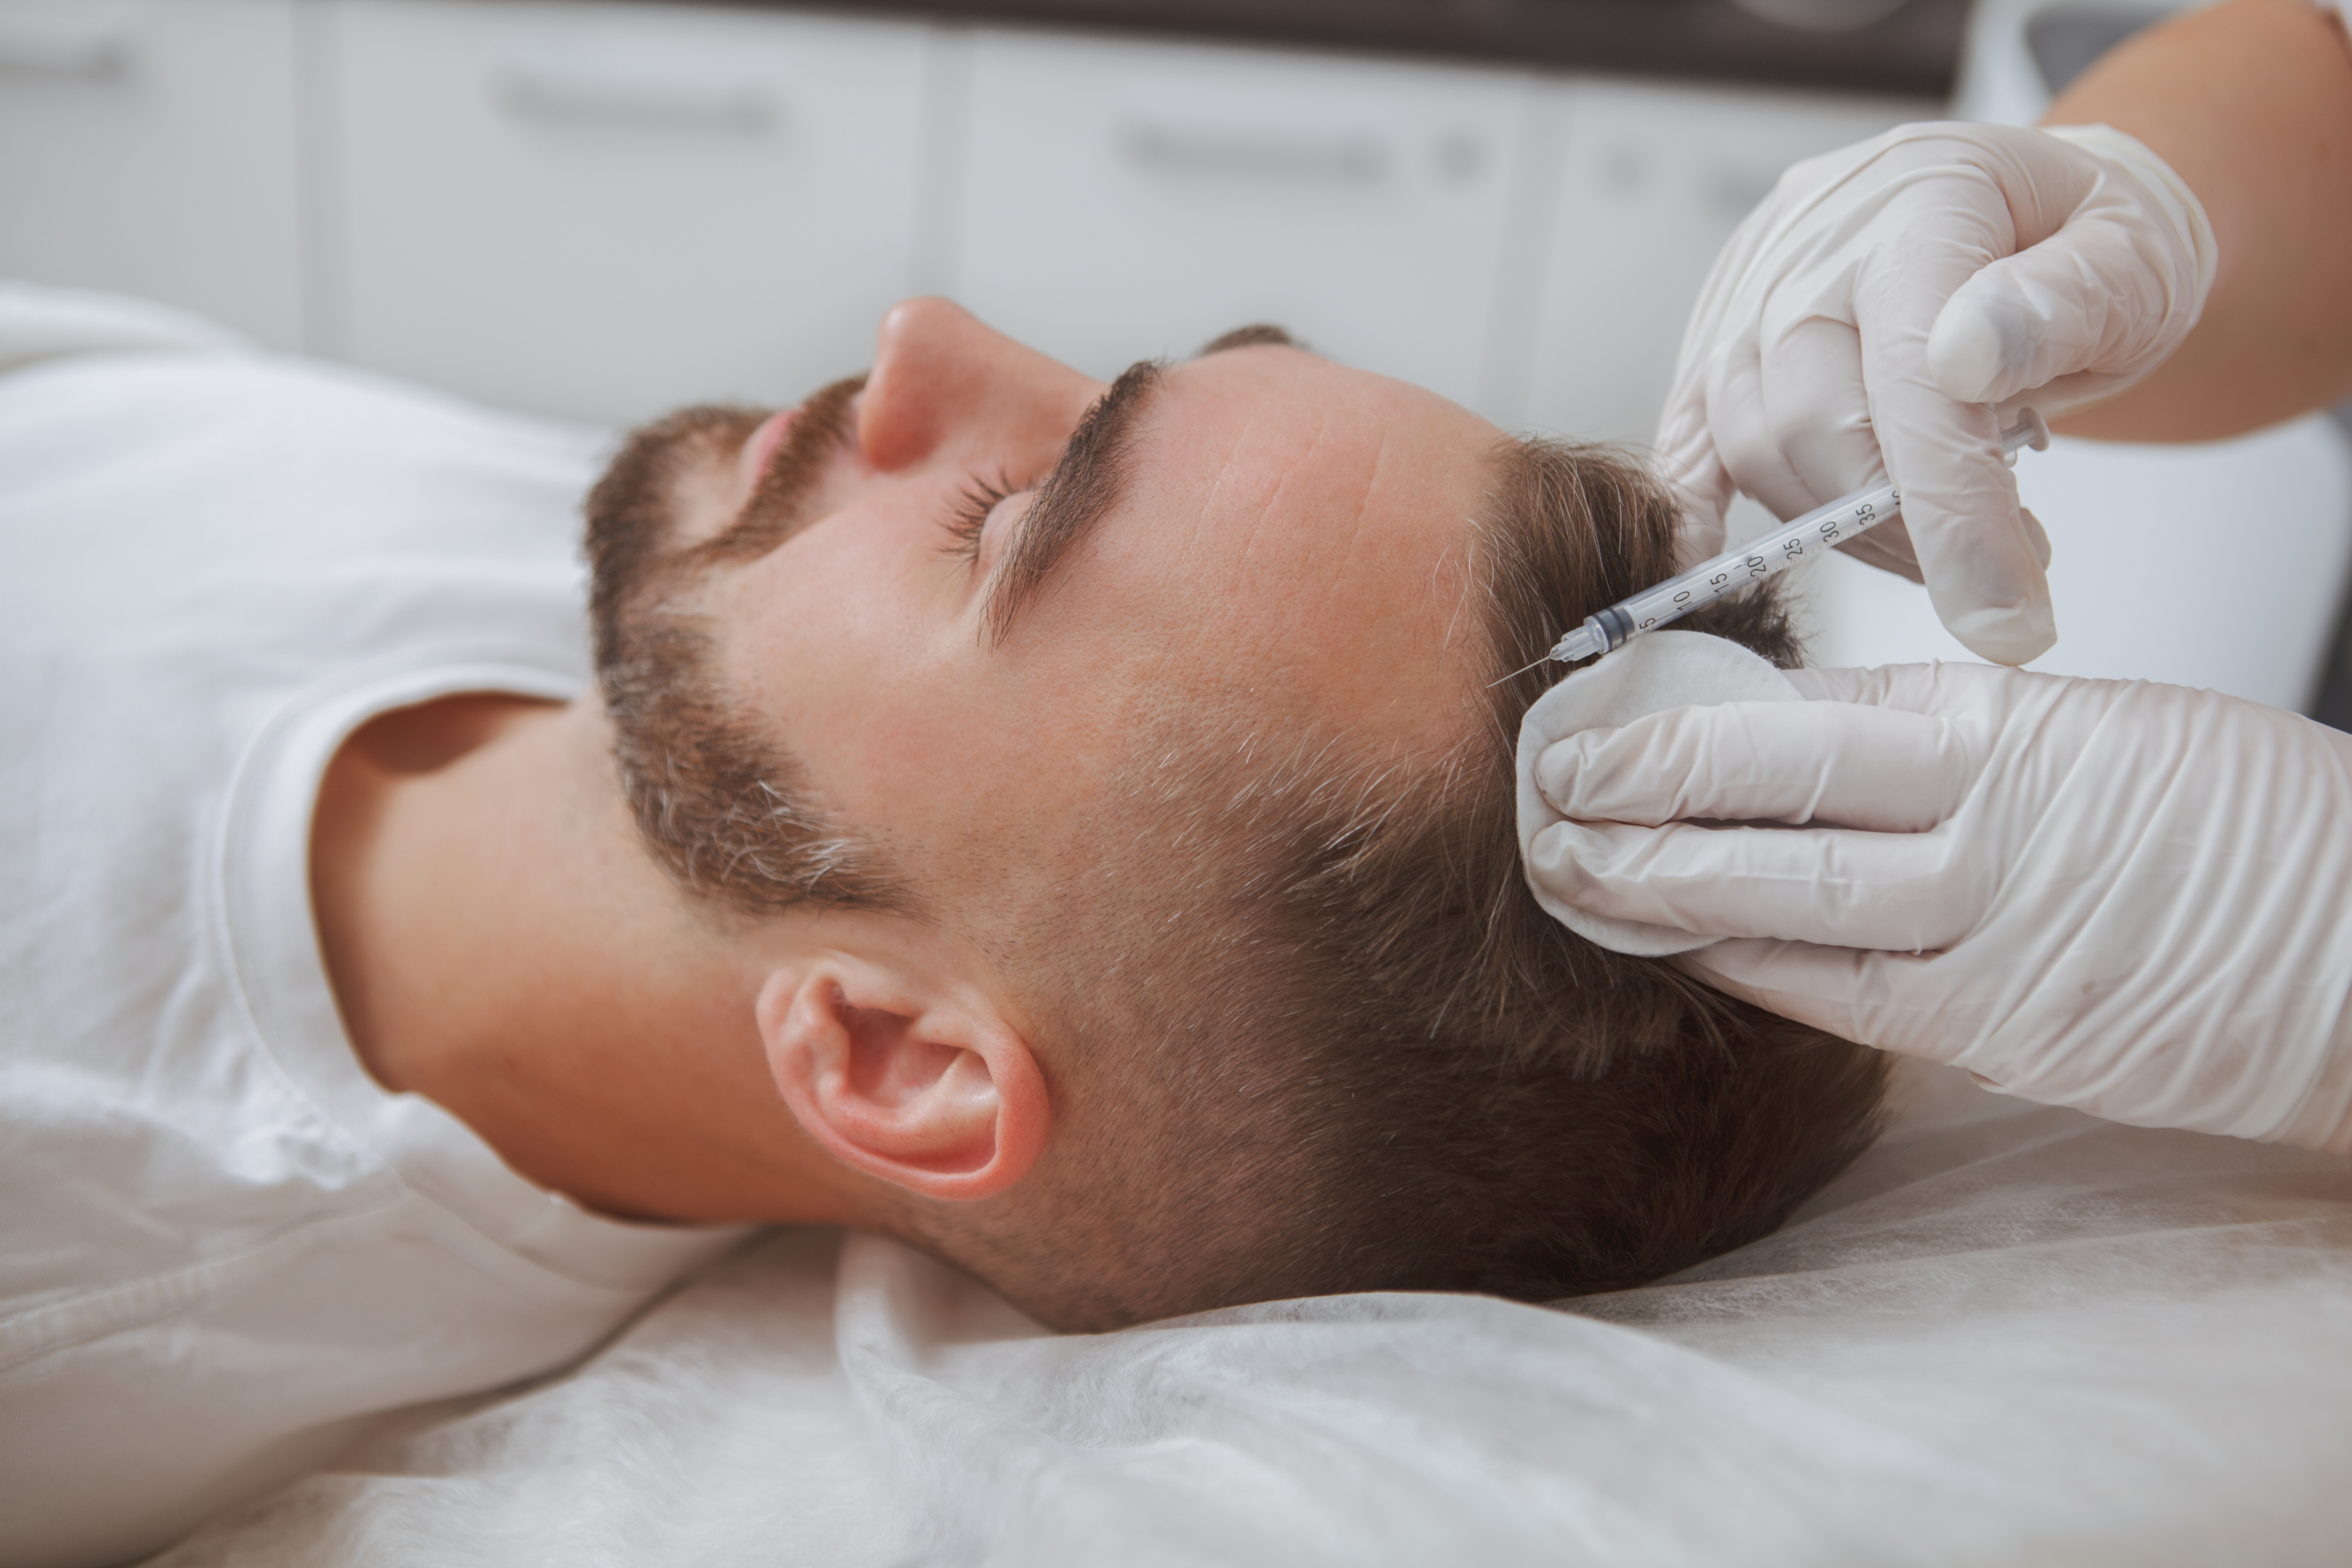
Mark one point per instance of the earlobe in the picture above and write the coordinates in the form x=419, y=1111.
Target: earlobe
x=934, y=1094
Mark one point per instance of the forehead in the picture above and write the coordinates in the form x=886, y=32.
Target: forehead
x=1296, y=534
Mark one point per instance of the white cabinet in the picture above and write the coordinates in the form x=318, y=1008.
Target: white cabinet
x=1126, y=200
x=150, y=148
x=605, y=210
x=1651, y=182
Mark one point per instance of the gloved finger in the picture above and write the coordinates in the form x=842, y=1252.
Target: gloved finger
x=1818, y=443
x=2036, y=536
x=1939, y=690
x=2086, y=312
x=1959, y=498
x=1879, y=769
x=1830, y=886
x=1869, y=997
x=1686, y=445
x=1687, y=455
x=1839, y=683
x=1817, y=413
x=1746, y=426
x=1888, y=548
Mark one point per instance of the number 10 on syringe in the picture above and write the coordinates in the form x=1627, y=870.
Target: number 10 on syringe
x=1775, y=553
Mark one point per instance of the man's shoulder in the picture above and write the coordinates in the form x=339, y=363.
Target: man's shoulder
x=228, y=527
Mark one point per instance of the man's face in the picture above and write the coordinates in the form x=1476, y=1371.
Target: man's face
x=1261, y=535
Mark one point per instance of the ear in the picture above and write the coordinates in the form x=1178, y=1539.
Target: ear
x=922, y=1085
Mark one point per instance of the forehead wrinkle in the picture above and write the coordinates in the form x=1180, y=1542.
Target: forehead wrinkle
x=1335, y=553
x=1270, y=507
x=1280, y=519
x=1232, y=473
x=1298, y=470
x=1382, y=489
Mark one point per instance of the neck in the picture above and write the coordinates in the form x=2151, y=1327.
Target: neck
x=499, y=942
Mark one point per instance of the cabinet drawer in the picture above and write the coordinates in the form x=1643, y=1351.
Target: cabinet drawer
x=1645, y=184
x=604, y=210
x=149, y=148
x=1128, y=200
x=1650, y=183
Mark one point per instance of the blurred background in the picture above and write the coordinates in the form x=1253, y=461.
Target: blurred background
x=600, y=210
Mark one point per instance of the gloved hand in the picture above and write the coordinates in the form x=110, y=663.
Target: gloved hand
x=2131, y=898
x=1890, y=303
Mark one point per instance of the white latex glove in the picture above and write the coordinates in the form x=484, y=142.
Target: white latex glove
x=1888, y=303
x=2131, y=898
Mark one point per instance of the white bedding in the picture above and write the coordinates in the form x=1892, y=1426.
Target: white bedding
x=2011, y=1334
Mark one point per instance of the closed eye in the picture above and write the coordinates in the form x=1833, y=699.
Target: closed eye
x=965, y=520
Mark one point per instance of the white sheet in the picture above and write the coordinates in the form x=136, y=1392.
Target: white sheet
x=39, y=322
x=2011, y=1334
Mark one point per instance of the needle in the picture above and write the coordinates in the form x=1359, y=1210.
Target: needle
x=1519, y=673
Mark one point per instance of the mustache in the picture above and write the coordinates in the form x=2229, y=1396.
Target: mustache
x=780, y=503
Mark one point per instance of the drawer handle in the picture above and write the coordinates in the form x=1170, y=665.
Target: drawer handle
x=1255, y=155
x=741, y=110
x=61, y=45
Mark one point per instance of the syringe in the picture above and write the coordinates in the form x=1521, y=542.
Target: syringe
x=1768, y=556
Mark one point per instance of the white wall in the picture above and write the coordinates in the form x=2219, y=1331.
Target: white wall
x=603, y=209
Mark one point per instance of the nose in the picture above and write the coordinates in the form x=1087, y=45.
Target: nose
x=943, y=380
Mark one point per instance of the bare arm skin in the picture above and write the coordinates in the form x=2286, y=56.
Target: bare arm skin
x=2252, y=103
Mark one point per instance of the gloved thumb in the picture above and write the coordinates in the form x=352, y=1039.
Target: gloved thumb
x=2093, y=306
x=2065, y=320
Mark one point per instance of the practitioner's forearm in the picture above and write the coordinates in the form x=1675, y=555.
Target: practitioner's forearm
x=2252, y=103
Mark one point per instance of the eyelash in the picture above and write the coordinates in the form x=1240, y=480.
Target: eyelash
x=969, y=516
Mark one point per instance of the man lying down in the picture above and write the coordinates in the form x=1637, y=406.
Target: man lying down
x=1069, y=827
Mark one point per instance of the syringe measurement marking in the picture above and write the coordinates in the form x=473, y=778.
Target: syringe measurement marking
x=1864, y=514
x=1834, y=525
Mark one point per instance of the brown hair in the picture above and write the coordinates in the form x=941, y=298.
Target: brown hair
x=1306, y=1029
x=1330, y=1042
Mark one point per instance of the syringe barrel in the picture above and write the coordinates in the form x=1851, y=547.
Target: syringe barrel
x=1767, y=556
x=1817, y=531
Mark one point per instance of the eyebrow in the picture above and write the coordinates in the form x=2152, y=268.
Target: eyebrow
x=1083, y=488
x=1089, y=481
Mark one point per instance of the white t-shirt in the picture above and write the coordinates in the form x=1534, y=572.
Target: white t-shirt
x=227, y=1251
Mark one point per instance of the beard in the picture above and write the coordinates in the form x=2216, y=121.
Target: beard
x=718, y=801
